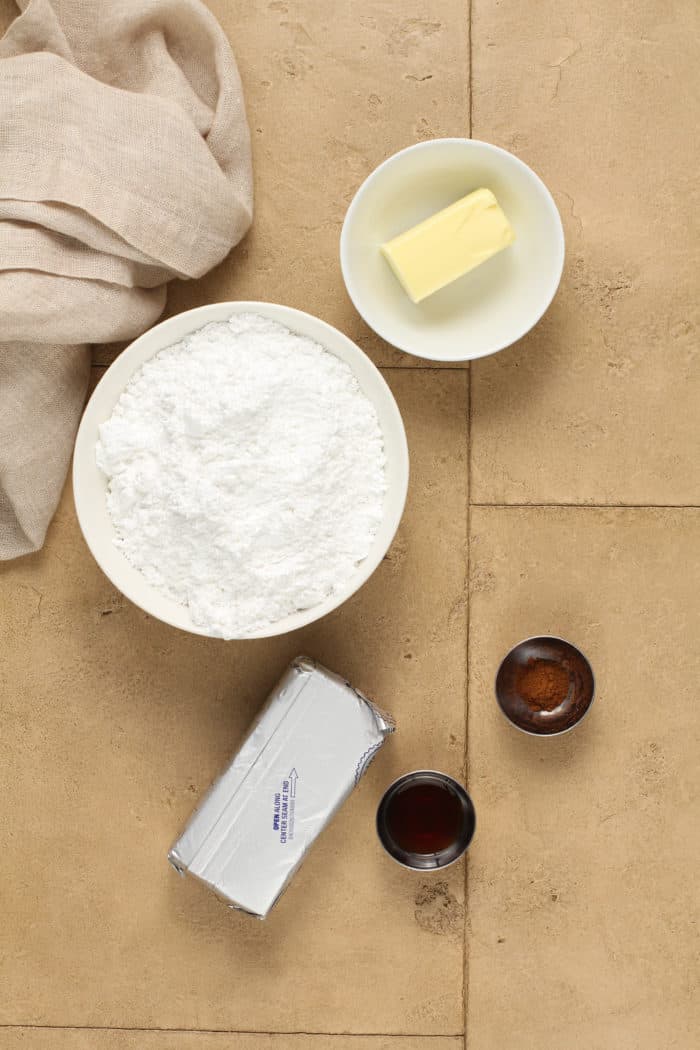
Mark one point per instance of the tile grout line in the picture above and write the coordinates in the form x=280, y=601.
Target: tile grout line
x=465, y=937
x=225, y=1031
x=588, y=506
x=470, y=78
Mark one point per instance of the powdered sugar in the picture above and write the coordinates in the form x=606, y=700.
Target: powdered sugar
x=246, y=473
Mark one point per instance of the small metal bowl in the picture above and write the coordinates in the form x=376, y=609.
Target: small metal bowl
x=575, y=705
x=439, y=859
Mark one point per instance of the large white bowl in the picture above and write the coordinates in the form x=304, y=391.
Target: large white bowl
x=90, y=484
x=487, y=309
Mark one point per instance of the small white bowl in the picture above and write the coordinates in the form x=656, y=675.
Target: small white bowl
x=90, y=486
x=489, y=308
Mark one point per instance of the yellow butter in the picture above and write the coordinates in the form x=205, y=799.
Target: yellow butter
x=449, y=244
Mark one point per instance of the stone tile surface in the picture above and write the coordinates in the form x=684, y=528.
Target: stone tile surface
x=583, y=902
x=114, y=724
x=110, y=1039
x=581, y=877
x=331, y=90
x=599, y=403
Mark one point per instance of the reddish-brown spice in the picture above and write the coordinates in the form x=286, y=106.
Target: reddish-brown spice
x=542, y=684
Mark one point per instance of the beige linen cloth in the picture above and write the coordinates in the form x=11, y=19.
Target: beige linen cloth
x=124, y=162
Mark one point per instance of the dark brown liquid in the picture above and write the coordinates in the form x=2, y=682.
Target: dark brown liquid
x=424, y=818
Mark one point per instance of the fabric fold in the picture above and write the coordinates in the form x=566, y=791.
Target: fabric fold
x=124, y=162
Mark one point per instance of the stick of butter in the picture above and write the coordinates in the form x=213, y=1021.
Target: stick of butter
x=449, y=244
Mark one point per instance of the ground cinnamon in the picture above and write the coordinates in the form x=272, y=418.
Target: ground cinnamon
x=542, y=684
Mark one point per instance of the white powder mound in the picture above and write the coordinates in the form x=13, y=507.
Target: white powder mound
x=246, y=473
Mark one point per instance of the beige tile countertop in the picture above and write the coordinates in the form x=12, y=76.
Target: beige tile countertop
x=555, y=488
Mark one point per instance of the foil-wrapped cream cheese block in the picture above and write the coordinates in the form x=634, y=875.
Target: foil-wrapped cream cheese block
x=303, y=756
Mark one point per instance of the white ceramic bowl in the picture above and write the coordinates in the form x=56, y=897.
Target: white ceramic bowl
x=90, y=484
x=487, y=309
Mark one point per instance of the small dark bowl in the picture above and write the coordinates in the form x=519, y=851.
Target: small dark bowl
x=573, y=707
x=427, y=861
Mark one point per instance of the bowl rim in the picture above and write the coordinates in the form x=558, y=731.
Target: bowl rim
x=427, y=144
x=201, y=315
x=553, y=638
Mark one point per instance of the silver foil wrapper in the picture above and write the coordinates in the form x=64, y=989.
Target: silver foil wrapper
x=303, y=756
